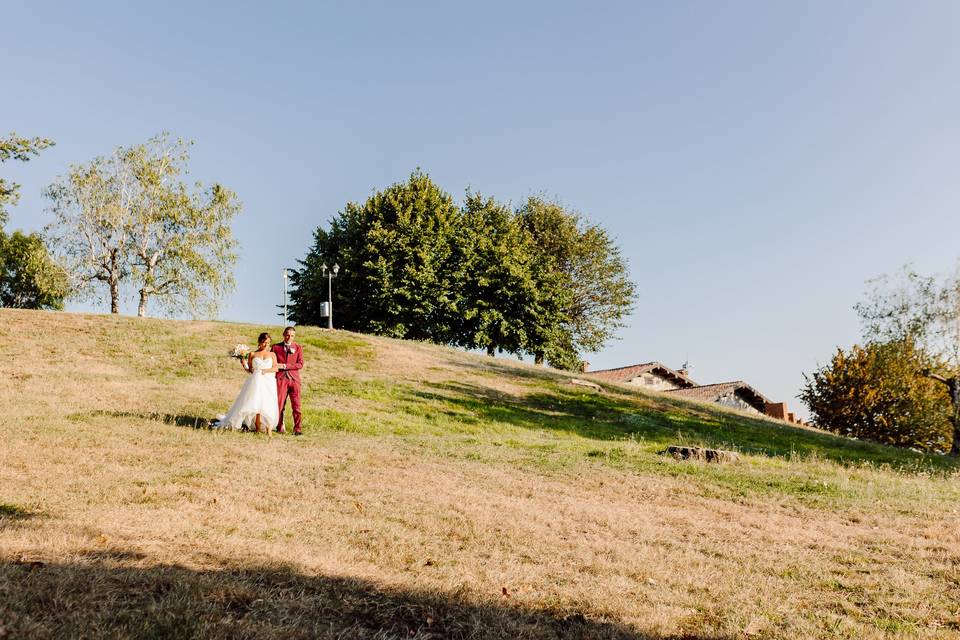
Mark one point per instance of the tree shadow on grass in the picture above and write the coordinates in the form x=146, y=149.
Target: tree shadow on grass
x=497, y=366
x=178, y=419
x=103, y=599
x=12, y=515
x=617, y=415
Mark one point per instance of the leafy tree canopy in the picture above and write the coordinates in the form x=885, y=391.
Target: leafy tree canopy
x=129, y=218
x=14, y=147
x=926, y=310
x=538, y=280
x=874, y=392
x=394, y=253
x=587, y=264
x=29, y=277
x=501, y=291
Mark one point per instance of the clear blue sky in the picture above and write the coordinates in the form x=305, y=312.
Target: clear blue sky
x=757, y=161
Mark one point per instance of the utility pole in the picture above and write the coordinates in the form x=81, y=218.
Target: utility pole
x=285, y=321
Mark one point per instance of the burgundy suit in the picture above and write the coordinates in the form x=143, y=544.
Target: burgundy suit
x=288, y=380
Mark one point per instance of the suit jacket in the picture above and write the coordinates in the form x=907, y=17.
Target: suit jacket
x=292, y=358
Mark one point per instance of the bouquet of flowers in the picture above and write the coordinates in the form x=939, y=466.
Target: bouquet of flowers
x=240, y=352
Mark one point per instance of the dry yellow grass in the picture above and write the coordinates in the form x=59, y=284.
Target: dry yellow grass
x=436, y=495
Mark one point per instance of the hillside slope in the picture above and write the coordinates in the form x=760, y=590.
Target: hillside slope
x=436, y=494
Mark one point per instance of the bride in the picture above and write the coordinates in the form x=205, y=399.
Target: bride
x=256, y=405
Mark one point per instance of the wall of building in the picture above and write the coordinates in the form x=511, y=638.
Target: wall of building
x=734, y=401
x=653, y=382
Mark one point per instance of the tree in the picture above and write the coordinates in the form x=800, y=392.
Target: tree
x=13, y=147
x=182, y=247
x=129, y=216
x=584, y=260
x=538, y=280
x=396, y=275
x=500, y=298
x=29, y=277
x=921, y=309
x=874, y=392
x=92, y=208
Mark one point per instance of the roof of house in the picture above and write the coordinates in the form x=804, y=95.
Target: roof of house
x=623, y=374
x=713, y=392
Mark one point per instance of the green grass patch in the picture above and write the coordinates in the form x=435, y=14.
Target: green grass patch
x=340, y=345
x=15, y=511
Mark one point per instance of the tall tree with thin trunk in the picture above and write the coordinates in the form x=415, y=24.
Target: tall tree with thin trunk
x=92, y=207
x=181, y=243
x=130, y=217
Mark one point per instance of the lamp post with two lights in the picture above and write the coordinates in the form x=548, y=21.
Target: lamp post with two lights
x=331, y=274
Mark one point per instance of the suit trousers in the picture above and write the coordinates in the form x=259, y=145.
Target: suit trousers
x=287, y=387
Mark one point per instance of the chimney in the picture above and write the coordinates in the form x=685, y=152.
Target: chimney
x=584, y=366
x=683, y=371
x=776, y=410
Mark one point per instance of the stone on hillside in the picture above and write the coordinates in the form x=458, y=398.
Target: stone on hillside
x=701, y=453
x=586, y=383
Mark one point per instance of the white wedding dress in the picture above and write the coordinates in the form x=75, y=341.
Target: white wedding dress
x=258, y=395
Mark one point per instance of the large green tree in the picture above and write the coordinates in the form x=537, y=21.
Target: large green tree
x=129, y=217
x=505, y=296
x=538, y=280
x=29, y=277
x=15, y=147
x=874, y=392
x=582, y=259
x=396, y=273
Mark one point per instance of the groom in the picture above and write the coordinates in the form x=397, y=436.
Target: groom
x=289, y=361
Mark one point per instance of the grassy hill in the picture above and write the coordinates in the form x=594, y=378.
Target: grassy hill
x=436, y=494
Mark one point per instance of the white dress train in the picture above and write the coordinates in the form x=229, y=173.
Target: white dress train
x=258, y=395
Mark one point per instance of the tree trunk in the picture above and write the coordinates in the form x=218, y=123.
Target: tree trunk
x=491, y=351
x=538, y=359
x=147, y=288
x=953, y=388
x=955, y=449
x=142, y=307
x=114, y=283
x=953, y=385
x=114, y=295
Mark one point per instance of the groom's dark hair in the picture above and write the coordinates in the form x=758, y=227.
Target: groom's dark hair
x=294, y=329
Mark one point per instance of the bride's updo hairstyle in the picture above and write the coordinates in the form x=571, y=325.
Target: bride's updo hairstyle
x=263, y=336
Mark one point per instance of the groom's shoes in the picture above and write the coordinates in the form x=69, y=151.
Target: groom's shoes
x=297, y=432
x=281, y=430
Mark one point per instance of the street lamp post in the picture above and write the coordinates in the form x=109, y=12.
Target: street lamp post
x=331, y=274
x=285, y=321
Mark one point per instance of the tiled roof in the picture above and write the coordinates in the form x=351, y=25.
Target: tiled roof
x=713, y=392
x=622, y=374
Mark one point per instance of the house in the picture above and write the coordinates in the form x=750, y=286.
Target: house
x=654, y=376
x=738, y=395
